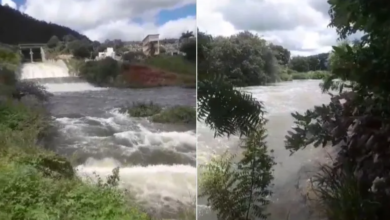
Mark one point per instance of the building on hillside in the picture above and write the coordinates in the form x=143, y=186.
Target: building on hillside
x=108, y=53
x=146, y=44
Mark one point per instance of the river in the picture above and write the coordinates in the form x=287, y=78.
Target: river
x=280, y=101
x=157, y=162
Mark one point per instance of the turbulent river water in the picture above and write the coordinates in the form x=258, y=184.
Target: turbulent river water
x=291, y=172
x=157, y=162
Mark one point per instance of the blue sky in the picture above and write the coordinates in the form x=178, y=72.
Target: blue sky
x=118, y=20
x=168, y=15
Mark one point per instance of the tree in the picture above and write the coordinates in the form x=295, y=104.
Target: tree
x=357, y=121
x=14, y=23
x=234, y=190
x=101, y=72
x=281, y=54
x=186, y=35
x=53, y=42
x=189, y=48
x=69, y=38
x=244, y=59
x=80, y=48
x=299, y=64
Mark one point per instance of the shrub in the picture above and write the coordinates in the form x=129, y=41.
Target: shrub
x=142, y=109
x=239, y=190
x=7, y=76
x=133, y=57
x=101, y=72
x=189, y=48
x=176, y=115
x=338, y=196
x=310, y=75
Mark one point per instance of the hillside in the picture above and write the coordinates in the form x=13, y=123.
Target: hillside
x=16, y=28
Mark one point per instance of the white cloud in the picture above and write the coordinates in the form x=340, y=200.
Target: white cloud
x=102, y=19
x=300, y=26
x=10, y=3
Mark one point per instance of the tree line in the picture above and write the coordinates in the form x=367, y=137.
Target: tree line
x=246, y=59
x=17, y=28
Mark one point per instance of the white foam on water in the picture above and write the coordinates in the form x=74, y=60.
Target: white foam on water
x=71, y=87
x=44, y=70
x=158, y=186
x=54, y=69
x=279, y=101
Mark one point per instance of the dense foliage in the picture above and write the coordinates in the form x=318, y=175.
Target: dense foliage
x=356, y=121
x=309, y=63
x=101, y=72
x=245, y=60
x=18, y=28
x=235, y=189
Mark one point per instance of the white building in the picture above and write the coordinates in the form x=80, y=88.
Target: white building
x=108, y=53
x=151, y=38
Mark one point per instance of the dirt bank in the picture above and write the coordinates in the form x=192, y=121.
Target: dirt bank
x=144, y=76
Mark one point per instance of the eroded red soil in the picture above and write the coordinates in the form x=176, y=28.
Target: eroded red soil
x=149, y=77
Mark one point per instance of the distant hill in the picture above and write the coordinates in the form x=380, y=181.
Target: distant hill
x=17, y=28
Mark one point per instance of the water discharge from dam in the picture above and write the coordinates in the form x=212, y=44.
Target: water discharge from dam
x=157, y=162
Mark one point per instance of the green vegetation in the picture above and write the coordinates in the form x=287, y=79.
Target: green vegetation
x=247, y=60
x=38, y=184
x=355, y=122
x=176, y=115
x=141, y=109
x=102, y=72
x=9, y=58
x=170, y=115
x=13, y=29
x=174, y=64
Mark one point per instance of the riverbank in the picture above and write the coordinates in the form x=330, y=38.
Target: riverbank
x=31, y=173
x=313, y=75
x=157, y=71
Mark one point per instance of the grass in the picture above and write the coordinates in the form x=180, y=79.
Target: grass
x=310, y=75
x=338, y=195
x=143, y=109
x=176, y=64
x=171, y=115
x=288, y=75
x=176, y=115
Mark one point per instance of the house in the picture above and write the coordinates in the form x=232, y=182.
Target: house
x=108, y=53
x=151, y=38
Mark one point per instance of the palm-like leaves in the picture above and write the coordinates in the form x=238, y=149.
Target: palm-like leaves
x=225, y=109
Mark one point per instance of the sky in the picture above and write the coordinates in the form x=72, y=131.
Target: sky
x=115, y=19
x=298, y=25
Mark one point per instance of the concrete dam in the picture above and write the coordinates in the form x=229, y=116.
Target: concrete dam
x=39, y=69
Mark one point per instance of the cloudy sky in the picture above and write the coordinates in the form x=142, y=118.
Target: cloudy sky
x=115, y=19
x=299, y=25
